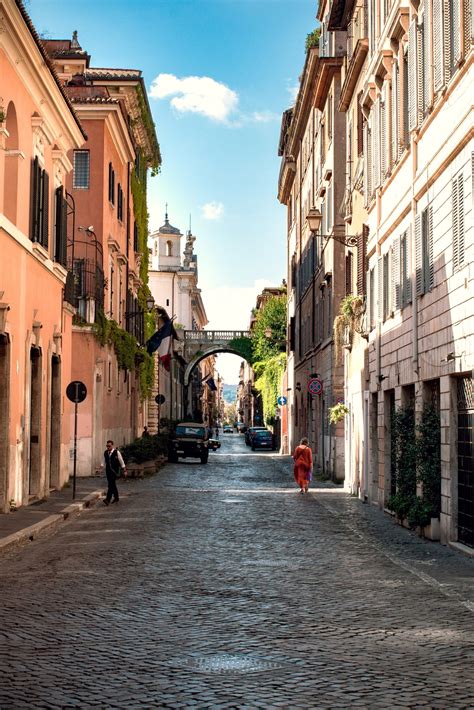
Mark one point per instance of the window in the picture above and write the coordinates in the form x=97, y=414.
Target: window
x=169, y=248
x=81, y=175
x=39, y=228
x=119, y=202
x=135, y=237
x=360, y=127
x=405, y=271
x=60, y=228
x=424, y=251
x=457, y=194
x=111, y=184
x=361, y=261
x=371, y=298
x=348, y=273
x=386, y=290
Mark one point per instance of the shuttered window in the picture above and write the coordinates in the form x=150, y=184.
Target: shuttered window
x=457, y=191
x=427, y=30
x=405, y=270
x=371, y=298
x=60, y=227
x=348, y=273
x=380, y=288
x=376, y=144
x=39, y=205
x=360, y=126
x=383, y=135
x=424, y=263
x=438, y=44
x=386, y=289
x=412, y=76
x=81, y=175
x=404, y=137
x=468, y=26
x=395, y=104
x=362, y=261
x=395, y=276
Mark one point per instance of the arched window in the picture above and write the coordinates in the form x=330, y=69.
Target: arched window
x=10, y=186
x=169, y=248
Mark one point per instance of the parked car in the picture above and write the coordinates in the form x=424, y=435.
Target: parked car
x=228, y=429
x=188, y=439
x=250, y=432
x=214, y=444
x=263, y=439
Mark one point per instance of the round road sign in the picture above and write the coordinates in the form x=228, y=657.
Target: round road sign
x=282, y=401
x=76, y=391
x=315, y=386
x=160, y=399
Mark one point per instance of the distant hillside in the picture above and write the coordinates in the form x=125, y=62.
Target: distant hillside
x=230, y=392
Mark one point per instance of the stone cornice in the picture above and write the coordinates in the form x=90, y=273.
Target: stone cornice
x=353, y=72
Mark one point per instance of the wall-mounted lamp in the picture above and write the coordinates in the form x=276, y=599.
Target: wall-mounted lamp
x=314, y=219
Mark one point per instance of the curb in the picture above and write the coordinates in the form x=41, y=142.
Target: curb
x=49, y=524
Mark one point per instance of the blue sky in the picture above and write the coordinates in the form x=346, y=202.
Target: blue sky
x=224, y=72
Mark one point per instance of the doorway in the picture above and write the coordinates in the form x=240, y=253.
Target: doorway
x=53, y=475
x=34, y=458
x=465, y=456
x=4, y=419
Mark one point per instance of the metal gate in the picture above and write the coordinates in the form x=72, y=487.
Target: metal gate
x=465, y=461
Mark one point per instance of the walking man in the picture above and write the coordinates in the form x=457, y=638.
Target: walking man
x=114, y=463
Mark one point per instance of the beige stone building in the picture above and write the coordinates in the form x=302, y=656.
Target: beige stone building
x=312, y=147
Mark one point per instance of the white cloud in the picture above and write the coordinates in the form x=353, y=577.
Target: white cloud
x=196, y=94
x=212, y=210
x=264, y=116
x=293, y=91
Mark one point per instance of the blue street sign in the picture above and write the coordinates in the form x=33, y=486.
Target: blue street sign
x=282, y=401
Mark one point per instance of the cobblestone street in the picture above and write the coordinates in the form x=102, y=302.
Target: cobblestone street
x=219, y=586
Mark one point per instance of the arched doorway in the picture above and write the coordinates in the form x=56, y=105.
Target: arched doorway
x=10, y=185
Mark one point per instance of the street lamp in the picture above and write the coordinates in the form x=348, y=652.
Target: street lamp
x=268, y=333
x=314, y=219
x=150, y=302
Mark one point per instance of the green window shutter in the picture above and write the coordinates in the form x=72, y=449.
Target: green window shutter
x=419, y=257
x=44, y=232
x=458, y=221
x=35, y=208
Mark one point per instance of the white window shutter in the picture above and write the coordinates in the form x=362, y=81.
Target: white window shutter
x=394, y=110
x=468, y=27
x=420, y=78
x=438, y=44
x=455, y=212
x=407, y=297
x=380, y=288
x=426, y=54
x=370, y=162
x=419, y=257
x=376, y=143
x=395, y=275
x=447, y=44
x=383, y=134
x=366, y=163
x=429, y=245
x=412, y=76
x=456, y=23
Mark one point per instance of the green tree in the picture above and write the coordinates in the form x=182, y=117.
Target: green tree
x=269, y=332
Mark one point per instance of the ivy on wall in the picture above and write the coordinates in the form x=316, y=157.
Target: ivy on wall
x=269, y=375
x=415, y=452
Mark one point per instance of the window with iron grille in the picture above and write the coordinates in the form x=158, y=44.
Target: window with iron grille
x=39, y=204
x=81, y=175
x=111, y=184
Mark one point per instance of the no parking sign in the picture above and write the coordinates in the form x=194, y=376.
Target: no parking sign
x=315, y=386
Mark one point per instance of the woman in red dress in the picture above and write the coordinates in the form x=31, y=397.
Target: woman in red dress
x=303, y=458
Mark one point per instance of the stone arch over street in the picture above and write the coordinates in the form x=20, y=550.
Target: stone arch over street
x=198, y=345
x=202, y=355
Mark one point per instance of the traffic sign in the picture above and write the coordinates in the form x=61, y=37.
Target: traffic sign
x=76, y=391
x=315, y=386
x=160, y=399
x=282, y=401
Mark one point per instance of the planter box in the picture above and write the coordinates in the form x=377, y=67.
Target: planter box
x=147, y=468
x=432, y=531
